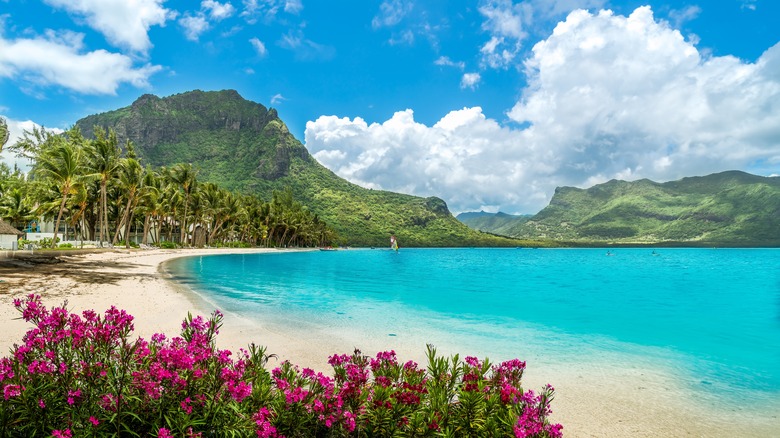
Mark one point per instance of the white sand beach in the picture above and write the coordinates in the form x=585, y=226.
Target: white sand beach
x=590, y=401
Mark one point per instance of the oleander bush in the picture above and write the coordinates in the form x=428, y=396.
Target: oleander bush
x=84, y=375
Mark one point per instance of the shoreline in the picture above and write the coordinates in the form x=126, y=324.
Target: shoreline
x=592, y=400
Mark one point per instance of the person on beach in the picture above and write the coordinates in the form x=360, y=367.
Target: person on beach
x=393, y=243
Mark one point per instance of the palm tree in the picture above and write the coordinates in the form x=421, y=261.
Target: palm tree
x=150, y=203
x=15, y=207
x=184, y=176
x=4, y=133
x=62, y=166
x=131, y=177
x=104, y=155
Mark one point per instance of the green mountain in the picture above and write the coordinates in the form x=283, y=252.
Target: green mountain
x=242, y=145
x=724, y=209
x=494, y=223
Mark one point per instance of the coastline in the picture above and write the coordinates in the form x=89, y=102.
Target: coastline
x=592, y=400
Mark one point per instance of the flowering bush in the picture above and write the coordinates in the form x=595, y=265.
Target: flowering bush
x=82, y=375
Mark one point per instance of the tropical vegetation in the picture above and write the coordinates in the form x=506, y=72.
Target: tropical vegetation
x=723, y=209
x=243, y=146
x=99, y=191
x=85, y=376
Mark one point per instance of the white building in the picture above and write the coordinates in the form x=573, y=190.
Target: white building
x=8, y=236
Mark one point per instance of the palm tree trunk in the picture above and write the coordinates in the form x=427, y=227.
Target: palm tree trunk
x=147, y=220
x=59, y=217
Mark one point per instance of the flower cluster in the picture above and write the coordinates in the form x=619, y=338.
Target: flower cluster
x=83, y=375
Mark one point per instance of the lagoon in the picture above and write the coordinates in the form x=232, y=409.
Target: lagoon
x=710, y=317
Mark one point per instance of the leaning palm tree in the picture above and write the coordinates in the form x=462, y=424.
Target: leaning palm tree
x=62, y=166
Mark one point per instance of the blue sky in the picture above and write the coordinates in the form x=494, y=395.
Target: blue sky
x=486, y=104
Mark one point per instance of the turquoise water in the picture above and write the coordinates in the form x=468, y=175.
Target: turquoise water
x=711, y=316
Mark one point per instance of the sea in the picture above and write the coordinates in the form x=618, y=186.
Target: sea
x=709, y=317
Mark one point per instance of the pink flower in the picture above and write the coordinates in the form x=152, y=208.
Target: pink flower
x=94, y=421
x=164, y=433
x=73, y=395
x=61, y=433
x=186, y=406
x=12, y=391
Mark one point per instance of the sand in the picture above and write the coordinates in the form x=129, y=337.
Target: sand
x=592, y=399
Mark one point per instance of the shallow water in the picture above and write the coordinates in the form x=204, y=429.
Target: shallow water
x=711, y=317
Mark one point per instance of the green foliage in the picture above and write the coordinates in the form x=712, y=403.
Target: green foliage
x=724, y=209
x=85, y=375
x=241, y=145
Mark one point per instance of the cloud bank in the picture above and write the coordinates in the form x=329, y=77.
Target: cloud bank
x=609, y=96
x=58, y=58
x=125, y=24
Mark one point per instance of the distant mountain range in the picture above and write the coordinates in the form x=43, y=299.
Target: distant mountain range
x=724, y=209
x=242, y=145
x=495, y=223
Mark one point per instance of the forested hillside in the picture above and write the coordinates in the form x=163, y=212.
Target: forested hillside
x=724, y=209
x=242, y=145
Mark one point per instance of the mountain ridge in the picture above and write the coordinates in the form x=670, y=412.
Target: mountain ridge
x=242, y=145
x=731, y=208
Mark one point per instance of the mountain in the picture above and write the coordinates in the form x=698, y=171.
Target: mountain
x=242, y=145
x=494, y=223
x=724, y=209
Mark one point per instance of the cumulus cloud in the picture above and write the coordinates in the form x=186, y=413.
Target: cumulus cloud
x=470, y=80
x=507, y=24
x=194, y=25
x=125, y=24
x=216, y=10
x=60, y=59
x=259, y=46
x=609, y=96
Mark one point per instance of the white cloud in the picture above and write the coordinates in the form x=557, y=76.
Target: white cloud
x=391, y=12
x=259, y=46
x=269, y=9
x=16, y=130
x=277, y=98
x=681, y=16
x=305, y=49
x=124, y=23
x=504, y=22
x=216, y=10
x=446, y=61
x=406, y=37
x=293, y=6
x=470, y=80
x=59, y=59
x=608, y=97
x=507, y=24
x=194, y=26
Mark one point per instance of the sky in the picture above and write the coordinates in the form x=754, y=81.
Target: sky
x=487, y=104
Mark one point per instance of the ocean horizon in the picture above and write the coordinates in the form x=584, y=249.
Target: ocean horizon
x=708, y=317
